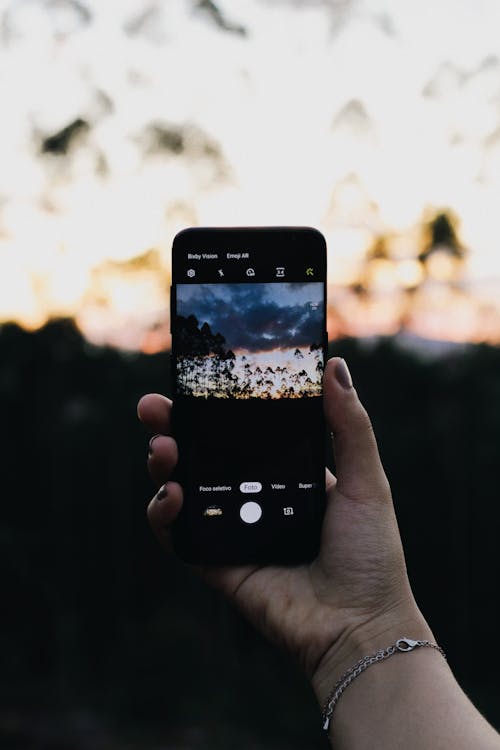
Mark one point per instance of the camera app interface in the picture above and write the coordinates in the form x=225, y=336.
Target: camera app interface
x=249, y=356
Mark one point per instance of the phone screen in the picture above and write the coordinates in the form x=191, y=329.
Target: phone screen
x=248, y=332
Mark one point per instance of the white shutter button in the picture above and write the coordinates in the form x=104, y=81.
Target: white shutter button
x=250, y=512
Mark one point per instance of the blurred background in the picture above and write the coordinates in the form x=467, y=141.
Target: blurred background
x=123, y=121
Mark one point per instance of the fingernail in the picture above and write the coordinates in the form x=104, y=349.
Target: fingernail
x=161, y=494
x=343, y=375
x=150, y=449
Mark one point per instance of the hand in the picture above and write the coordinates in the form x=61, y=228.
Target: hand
x=355, y=596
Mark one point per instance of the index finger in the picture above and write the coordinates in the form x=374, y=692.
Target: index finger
x=154, y=410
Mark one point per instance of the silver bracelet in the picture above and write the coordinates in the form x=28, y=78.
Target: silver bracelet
x=403, y=645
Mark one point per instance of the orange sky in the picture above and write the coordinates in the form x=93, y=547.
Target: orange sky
x=115, y=135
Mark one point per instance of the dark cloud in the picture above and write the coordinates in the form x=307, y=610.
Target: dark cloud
x=248, y=317
x=63, y=140
x=213, y=12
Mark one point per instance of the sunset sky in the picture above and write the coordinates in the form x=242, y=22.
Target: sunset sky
x=124, y=121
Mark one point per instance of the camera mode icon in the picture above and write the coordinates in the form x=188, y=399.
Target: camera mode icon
x=250, y=487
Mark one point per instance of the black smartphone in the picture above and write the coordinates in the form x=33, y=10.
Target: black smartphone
x=248, y=322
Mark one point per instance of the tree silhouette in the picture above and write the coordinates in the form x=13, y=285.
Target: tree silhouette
x=207, y=368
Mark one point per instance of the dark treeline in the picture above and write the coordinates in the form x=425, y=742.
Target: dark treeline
x=203, y=361
x=206, y=368
x=105, y=643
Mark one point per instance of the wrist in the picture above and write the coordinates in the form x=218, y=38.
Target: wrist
x=364, y=638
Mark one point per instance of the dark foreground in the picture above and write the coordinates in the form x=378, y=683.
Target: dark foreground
x=107, y=644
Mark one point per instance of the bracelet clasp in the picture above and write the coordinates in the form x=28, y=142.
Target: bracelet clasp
x=406, y=644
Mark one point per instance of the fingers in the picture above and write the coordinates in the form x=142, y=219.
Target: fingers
x=359, y=471
x=154, y=411
x=162, y=457
x=163, y=510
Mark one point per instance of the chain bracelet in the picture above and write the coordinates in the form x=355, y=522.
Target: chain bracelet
x=403, y=645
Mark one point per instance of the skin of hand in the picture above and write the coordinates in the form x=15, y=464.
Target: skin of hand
x=355, y=596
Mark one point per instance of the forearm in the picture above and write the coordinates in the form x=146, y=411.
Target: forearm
x=409, y=700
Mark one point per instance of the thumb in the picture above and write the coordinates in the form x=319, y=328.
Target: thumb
x=360, y=475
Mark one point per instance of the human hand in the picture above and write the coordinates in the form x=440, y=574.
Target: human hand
x=355, y=596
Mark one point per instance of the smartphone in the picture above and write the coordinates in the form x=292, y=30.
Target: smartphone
x=248, y=322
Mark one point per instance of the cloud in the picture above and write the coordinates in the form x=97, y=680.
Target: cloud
x=257, y=317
